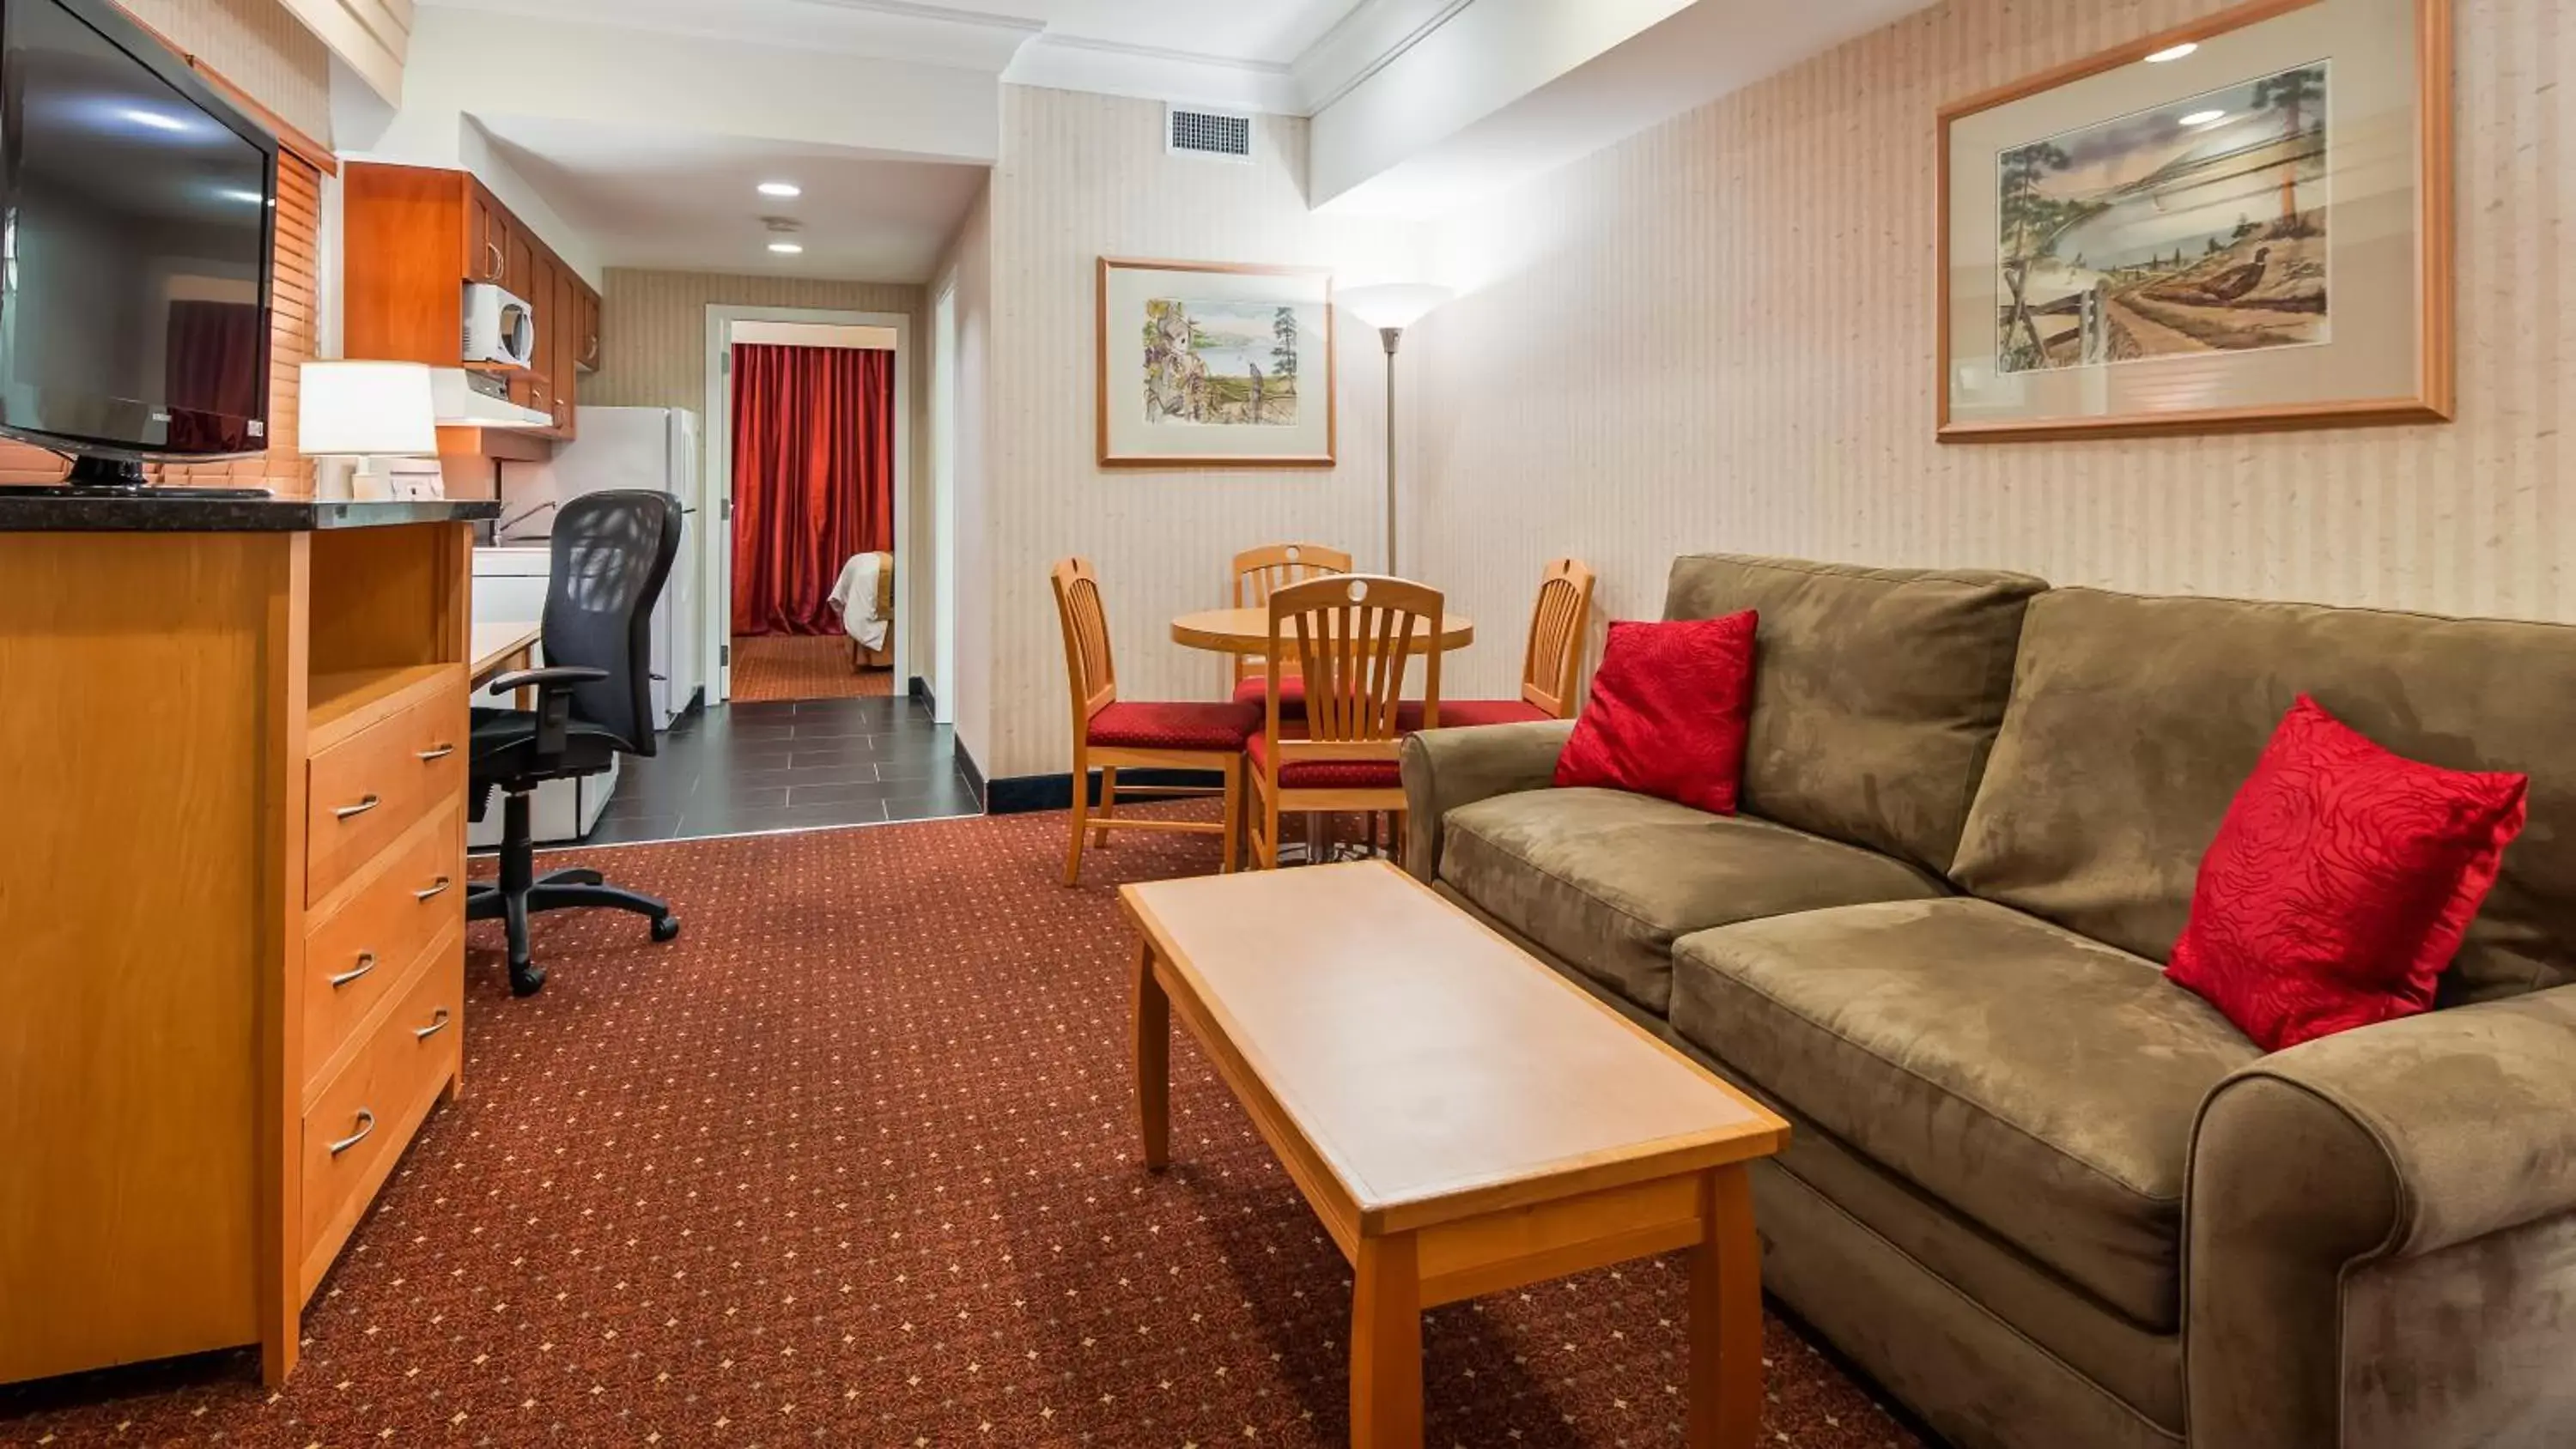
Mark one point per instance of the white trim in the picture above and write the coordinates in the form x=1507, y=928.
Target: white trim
x=718, y=558
x=943, y=505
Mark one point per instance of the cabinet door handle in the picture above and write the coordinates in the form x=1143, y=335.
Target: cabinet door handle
x=366, y=963
x=349, y=812
x=499, y=261
x=434, y=892
x=366, y=1125
x=437, y=1024
x=440, y=753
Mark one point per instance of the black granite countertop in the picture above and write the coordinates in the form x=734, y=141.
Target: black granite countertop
x=176, y=513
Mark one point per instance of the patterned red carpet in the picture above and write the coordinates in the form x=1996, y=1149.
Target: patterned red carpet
x=851, y=1162
x=789, y=666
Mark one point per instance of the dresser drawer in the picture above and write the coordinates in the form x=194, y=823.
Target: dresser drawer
x=368, y=945
x=367, y=790
x=360, y=1124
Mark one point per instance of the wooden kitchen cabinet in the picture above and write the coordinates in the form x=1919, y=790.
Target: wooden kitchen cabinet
x=415, y=237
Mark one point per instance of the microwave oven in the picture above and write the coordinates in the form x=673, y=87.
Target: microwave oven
x=499, y=328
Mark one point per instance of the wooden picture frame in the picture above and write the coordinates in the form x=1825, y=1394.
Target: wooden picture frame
x=2423, y=395
x=1189, y=415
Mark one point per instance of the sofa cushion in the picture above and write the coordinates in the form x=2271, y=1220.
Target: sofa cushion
x=2134, y=720
x=1666, y=713
x=1876, y=695
x=2041, y=1085
x=1607, y=880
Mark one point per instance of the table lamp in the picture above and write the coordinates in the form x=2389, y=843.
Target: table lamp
x=1390, y=307
x=373, y=412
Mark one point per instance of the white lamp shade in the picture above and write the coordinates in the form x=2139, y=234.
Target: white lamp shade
x=366, y=410
x=1392, y=304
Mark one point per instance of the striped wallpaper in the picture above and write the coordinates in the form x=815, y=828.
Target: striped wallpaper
x=1081, y=177
x=257, y=45
x=1718, y=335
x=653, y=353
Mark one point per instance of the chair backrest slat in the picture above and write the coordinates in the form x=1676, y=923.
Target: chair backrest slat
x=1261, y=572
x=1556, y=636
x=1089, y=668
x=1351, y=636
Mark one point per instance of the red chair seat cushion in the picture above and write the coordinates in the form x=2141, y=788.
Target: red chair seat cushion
x=1462, y=713
x=1138, y=725
x=2341, y=882
x=1327, y=774
x=1667, y=713
x=1292, y=693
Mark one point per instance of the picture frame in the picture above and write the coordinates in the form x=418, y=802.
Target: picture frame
x=2239, y=224
x=1215, y=365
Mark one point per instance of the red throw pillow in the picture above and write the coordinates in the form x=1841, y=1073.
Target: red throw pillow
x=2341, y=882
x=1667, y=712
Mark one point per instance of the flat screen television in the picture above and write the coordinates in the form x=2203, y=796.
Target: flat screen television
x=137, y=213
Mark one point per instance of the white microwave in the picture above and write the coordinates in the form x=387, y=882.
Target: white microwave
x=499, y=328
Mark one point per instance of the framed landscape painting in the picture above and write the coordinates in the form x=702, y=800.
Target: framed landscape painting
x=2244, y=223
x=1214, y=365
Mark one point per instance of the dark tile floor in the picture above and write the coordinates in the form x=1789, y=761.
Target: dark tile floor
x=740, y=769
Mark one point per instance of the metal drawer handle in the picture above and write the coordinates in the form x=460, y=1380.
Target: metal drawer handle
x=437, y=1024
x=366, y=963
x=366, y=1125
x=442, y=752
x=346, y=812
x=434, y=892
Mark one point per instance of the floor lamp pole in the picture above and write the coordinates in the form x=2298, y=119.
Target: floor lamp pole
x=1390, y=336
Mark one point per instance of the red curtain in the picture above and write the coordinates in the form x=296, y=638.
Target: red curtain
x=813, y=479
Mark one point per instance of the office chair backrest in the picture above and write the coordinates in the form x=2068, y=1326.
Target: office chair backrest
x=612, y=554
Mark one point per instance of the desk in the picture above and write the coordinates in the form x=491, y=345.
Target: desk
x=234, y=924
x=497, y=649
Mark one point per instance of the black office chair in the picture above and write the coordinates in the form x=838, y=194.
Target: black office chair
x=612, y=554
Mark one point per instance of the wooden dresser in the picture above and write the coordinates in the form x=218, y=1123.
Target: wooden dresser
x=233, y=746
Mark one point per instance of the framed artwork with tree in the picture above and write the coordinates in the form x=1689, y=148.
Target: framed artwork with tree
x=2243, y=223
x=1215, y=365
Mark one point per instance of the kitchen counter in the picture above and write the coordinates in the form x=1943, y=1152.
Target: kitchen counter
x=176, y=513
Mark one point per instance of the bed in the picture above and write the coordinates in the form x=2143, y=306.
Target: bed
x=864, y=597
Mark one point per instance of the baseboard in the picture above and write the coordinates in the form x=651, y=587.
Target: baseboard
x=973, y=772
x=920, y=690
x=1022, y=794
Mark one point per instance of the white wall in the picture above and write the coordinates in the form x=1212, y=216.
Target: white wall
x=968, y=267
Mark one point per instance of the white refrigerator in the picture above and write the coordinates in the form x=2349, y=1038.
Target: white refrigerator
x=653, y=448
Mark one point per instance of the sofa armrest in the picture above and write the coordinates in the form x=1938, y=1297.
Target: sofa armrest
x=1444, y=769
x=2391, y=1142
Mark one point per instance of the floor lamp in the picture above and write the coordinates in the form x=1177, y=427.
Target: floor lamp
x=1390, y=308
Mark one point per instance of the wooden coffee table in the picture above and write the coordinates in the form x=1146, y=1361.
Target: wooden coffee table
x=1464, y=1120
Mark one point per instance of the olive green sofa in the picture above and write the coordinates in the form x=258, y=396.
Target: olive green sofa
x=2046, y=1197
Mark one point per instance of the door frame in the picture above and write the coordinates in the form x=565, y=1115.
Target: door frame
x=943, y=505
x=718, y=558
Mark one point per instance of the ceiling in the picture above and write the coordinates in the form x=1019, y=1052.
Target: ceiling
x=686, y=201
x=984, y=33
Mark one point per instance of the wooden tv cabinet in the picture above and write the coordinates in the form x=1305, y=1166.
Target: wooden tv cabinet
x=233, y=747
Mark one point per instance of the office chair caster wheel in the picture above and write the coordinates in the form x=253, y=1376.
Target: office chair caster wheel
x=666, y=928
x=527, y=979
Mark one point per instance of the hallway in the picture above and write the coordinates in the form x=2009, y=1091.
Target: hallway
x=746, y=769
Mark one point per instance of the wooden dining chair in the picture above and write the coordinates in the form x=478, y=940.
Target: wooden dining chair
x=1110, y=734
x=1553, y=658
x=1260, y=572
x=1350, y=639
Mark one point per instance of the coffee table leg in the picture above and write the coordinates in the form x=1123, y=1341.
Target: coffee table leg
x=1386, y=1345
x=1153, y=1062
x=1726, y=1318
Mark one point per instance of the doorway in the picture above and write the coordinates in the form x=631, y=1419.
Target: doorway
x=809, y=459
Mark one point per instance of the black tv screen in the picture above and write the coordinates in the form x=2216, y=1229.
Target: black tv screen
x=137, y=210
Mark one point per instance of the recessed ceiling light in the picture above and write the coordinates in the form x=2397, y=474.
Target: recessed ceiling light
x=787, y=249
x=2173, y=52
x=781, y=188
x=2204, y=118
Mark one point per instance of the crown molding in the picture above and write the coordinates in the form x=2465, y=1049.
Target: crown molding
x=1374, y=35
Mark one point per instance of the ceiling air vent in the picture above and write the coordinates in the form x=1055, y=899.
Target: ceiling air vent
x=1216, y=135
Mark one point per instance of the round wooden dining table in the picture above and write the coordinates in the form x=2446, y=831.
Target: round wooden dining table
x=1247, y=631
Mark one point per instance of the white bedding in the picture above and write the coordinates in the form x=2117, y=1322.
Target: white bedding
x=855, y=595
